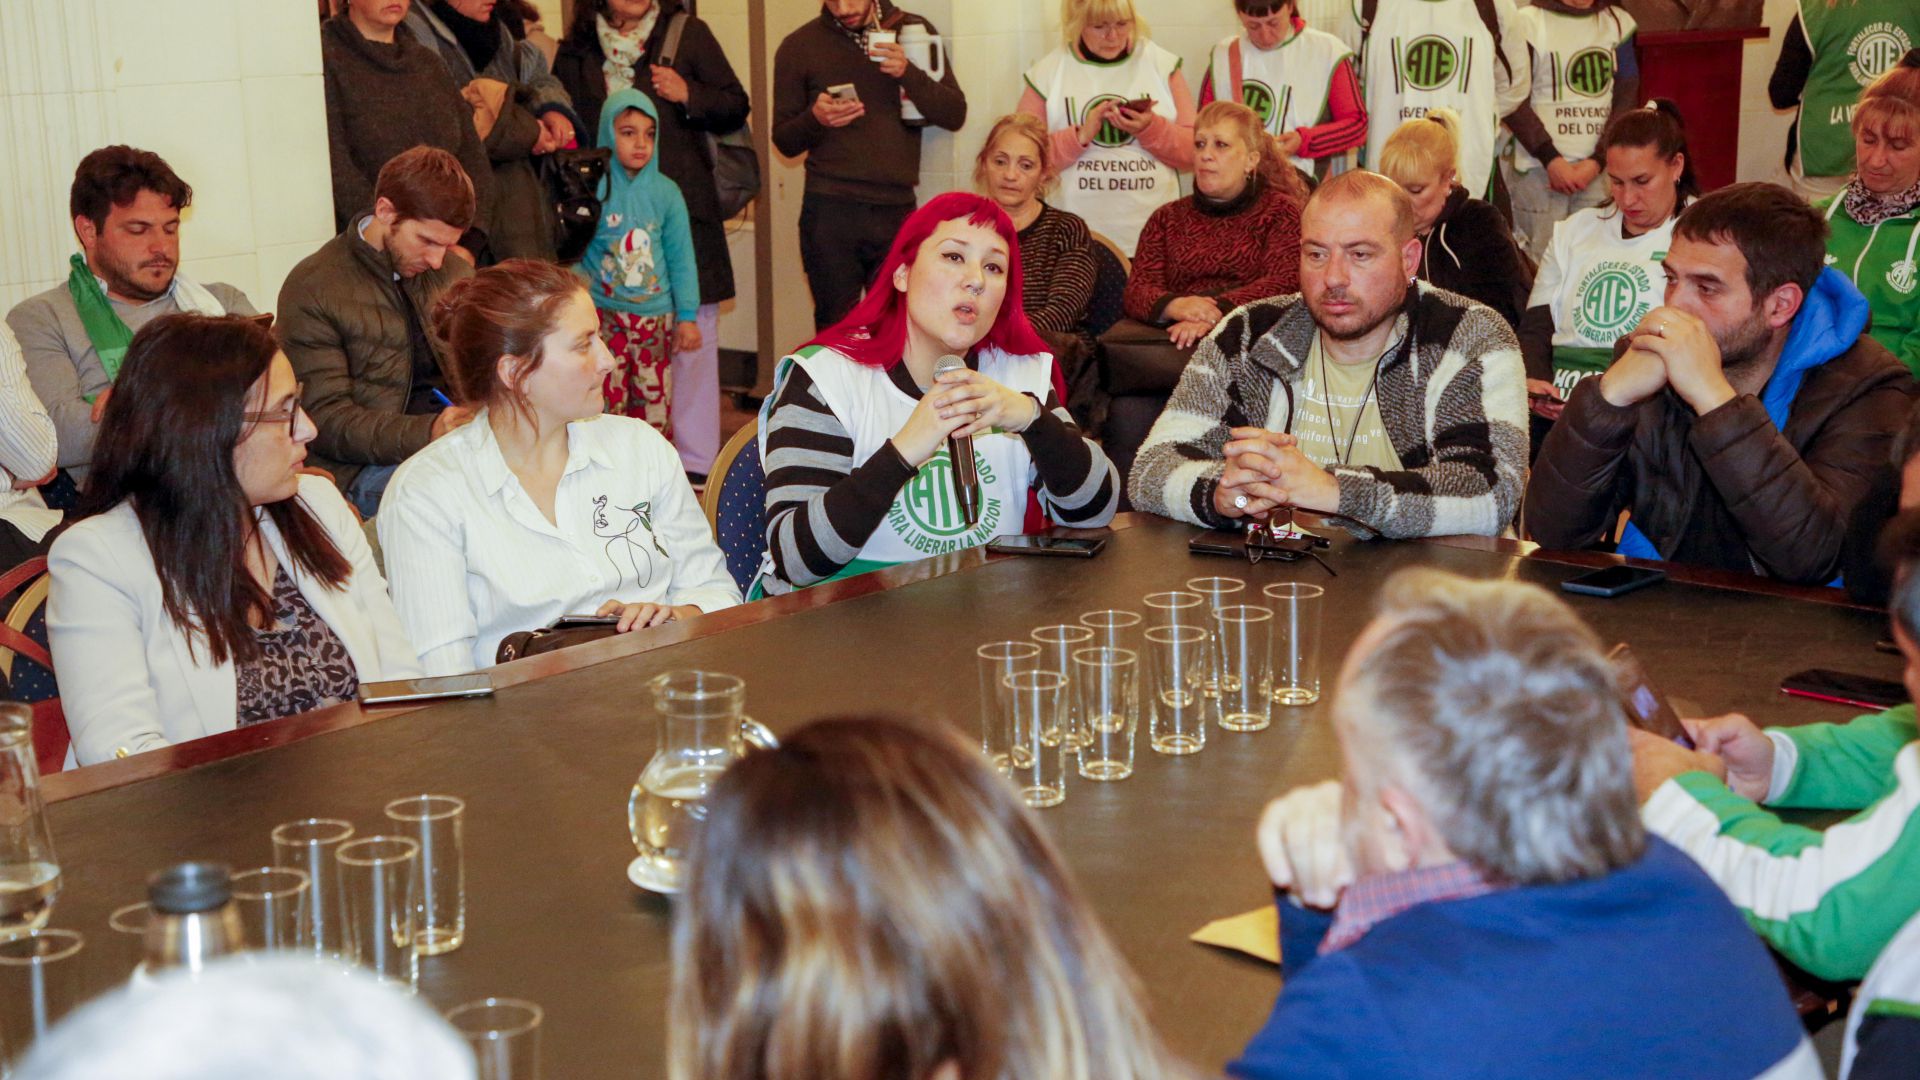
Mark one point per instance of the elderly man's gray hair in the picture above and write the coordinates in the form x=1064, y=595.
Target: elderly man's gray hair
x=253, y=1018
x=1492, y=704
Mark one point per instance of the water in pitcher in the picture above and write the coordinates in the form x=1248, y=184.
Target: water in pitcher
x=26, y=896
x=664, y=813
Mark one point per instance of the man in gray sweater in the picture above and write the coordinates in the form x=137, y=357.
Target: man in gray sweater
x=126, y=206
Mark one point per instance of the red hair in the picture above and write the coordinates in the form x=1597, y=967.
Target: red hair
x=874, y=333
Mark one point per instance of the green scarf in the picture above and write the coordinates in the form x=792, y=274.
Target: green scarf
x=105, y=329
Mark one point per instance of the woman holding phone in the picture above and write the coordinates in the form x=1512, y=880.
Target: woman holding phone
x=1119, y=117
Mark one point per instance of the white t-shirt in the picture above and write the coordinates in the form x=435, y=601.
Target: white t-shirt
x=1424, y=54
x=1573, y=76
x=471, y=559
x=1598, y=284
x=1337, y=418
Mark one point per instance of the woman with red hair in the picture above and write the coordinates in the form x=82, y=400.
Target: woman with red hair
x=855, y=435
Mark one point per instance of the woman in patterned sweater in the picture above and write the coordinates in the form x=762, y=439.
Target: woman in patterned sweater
x=1235, y=239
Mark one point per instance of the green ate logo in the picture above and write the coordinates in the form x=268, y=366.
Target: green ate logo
x=1610, y=300
x=1110, y=134
x=1875, y=49
x=1429, y=62
x=1267, y=105
x=1590, y=72
x=928, y=497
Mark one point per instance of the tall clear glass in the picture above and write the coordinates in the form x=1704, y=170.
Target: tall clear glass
x=1108, y=682
x=309, y=845
x=1216, y=593
x=504, y=1034
x=1296, y=641
x=29, y=872
x=272, y=903
x=1177, y=607
x=1114, y=628
x=703, y=728
x=1244, y=633
x=1177, y=658
x=1058, y=643
x=437, y=823
x=997, y=660
x=39, y=983
x=1038, y=763
x=376, y=877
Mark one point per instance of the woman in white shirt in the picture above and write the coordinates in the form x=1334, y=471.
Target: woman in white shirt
x=28, y=449
x=541, y=507
x=206, y=583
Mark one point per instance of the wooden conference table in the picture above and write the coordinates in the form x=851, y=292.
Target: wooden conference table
x=546, y=767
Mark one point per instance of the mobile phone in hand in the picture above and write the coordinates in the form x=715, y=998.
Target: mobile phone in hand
x=1137, y=104
x=1647, y=708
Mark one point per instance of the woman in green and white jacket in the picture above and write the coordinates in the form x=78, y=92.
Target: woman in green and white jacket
x=1874, y=222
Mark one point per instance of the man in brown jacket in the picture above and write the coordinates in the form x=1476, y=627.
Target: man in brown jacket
x=356, y=318
x=1744, y=419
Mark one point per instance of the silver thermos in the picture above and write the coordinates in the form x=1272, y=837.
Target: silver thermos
x=194, y=920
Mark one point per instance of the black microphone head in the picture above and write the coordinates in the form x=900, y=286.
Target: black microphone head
x=948, y=362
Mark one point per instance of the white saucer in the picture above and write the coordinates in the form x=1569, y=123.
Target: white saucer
x=641, y=873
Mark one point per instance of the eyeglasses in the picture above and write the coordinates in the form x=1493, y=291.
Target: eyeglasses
x=1278, y=538
x=289, y=416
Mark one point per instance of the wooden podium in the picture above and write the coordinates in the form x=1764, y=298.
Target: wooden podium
x=1699, y=70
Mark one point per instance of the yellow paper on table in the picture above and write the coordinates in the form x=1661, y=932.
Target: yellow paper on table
x=1257, y=933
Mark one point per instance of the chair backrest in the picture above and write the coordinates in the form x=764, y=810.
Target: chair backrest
x=28, y=663
x=1110, y=269
x=735, y=503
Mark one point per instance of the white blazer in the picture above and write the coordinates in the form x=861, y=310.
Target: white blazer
x=128, y=680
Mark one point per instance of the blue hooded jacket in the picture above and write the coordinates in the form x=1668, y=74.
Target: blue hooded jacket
x=1831, y=318
x=640, y=260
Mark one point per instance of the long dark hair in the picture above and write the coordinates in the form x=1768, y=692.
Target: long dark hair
x=1657, y=124
x=166, y=444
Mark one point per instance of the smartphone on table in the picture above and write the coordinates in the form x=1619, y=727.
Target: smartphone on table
x=472, y=684
x=1614, y=581
x=1071, y=547
x=1647, y=708
x=1843, y=688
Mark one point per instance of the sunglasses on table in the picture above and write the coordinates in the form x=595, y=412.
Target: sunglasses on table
x=1279, y=538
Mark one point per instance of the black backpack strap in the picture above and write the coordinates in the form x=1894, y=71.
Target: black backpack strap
x=677, y=26
x=1492, y=20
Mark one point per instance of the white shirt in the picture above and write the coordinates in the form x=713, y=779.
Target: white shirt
x=471, y=559
x=28, y=445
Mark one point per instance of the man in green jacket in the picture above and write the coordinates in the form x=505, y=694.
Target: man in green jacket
x=1828, y=901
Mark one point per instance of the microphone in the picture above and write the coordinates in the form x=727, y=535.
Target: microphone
x=966, y=478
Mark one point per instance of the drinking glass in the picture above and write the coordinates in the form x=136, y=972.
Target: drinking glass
x=309, y=845
x=1039, y=760
x=1244, y=633
x=39, y=983
x=273, y=907
x=1114, y=628
x=1177, y=658
x=376, y=881
x=1057, y=644
x=1296, y=641
x=997, y=660
x=1108, y=682
x=129, y=926
x=1176, y=607
x=437, y=824
x=29, y=872
x=1215, y=593
x=504, y=1034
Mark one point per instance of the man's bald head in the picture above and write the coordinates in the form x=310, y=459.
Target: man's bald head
x=1359, y=185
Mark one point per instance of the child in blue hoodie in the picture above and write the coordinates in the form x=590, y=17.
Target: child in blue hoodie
x=639, y=266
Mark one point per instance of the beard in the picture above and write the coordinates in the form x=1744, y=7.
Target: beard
x=1356, y=324
x=120, y=279
x=1743, y=345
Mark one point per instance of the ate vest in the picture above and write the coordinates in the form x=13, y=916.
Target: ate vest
x=1883, y=262
x=1573, y=61
x=1287, y=86
x=1115, y=184
x=924, y=519
x=1852, y=44
x=1598, y=285
x=1424, y=54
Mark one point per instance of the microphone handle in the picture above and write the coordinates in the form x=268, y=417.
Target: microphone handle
x=966, y=478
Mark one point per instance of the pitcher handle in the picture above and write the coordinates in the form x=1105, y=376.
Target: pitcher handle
x=938, y=47
x=757, y=734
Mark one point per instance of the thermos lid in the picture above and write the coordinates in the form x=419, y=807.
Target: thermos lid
x=190, y=888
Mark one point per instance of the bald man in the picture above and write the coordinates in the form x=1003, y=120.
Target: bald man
x=1368, y=394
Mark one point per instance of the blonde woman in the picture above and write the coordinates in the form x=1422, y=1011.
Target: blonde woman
x=1874, y=222
x=1464, y=243
x=1120, y=117
x=1830, y=51
x=912, y=924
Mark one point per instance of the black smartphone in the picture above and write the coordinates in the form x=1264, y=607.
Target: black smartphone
x=1137, y=105
x=1071, y=547
x=1647, y=708
x=1842, y=688
x=565, y=621
x=1614, y=581
x=472, y=684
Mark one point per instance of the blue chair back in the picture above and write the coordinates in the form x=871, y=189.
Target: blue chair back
x=736, y=504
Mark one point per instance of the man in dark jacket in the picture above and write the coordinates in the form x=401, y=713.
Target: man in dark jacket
x=863, y=156
x=356, y=317
x=1744, y=419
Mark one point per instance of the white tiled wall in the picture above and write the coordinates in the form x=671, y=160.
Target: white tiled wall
x=228, y=91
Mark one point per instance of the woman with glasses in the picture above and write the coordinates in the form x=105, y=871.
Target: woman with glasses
x=206, y=583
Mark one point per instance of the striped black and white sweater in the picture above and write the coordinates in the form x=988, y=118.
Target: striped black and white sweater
x=1454, y=404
